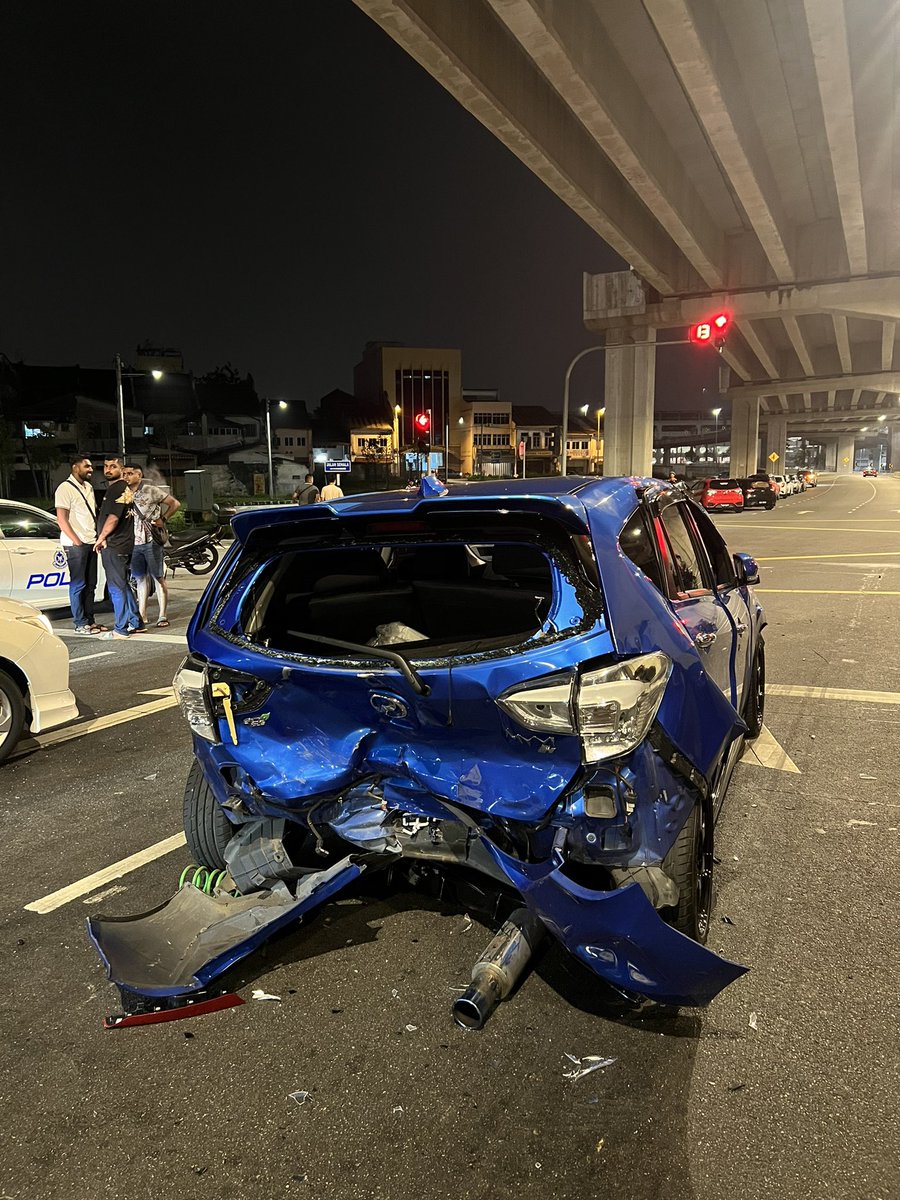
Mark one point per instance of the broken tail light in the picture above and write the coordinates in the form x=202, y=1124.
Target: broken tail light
x=610, y=709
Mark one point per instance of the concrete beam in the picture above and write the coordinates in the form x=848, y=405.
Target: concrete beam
x=835, y=419
x=761, y=347
x=709, y=74
x=874, y=299
x=888, y=381
x=571, y=48
x=466, y=49
x=792, y=329
x=888, y=333
x=842, y=337
x=827, y=23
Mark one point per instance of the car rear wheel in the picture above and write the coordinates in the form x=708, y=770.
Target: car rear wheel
x=12, y=714
x=689, y=864
x=206, y=828
x=754, y=712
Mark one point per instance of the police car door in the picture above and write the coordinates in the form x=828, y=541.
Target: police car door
x=693, y=598
x=35, y=567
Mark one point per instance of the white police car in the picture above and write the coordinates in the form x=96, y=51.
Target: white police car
x=32, y=561
x=34, y=675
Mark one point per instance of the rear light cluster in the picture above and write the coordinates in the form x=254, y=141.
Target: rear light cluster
x=191, y=692
x=611, y=710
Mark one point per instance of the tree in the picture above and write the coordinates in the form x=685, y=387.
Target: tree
x=44, y=456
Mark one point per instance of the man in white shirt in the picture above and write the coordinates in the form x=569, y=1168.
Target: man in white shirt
x=76, y=511
x=332, y=491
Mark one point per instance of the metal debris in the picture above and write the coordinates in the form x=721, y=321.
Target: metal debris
x=584, y=1066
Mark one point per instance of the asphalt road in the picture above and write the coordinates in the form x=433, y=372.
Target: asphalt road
x=784, y=1087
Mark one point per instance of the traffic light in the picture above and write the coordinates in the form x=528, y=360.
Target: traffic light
x=710, y=332
x=423, y=424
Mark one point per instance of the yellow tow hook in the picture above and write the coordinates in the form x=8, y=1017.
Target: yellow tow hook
x=222, y=691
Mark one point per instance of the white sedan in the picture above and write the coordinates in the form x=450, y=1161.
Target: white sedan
x=34, y=675
x=32, y=561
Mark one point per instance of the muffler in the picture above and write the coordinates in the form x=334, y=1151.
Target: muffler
x=499, y=968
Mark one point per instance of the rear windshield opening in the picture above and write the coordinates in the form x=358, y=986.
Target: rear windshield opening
x=426, y=599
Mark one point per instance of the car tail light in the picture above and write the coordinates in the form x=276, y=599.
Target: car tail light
x=708, y=495
x=190, y=686
x=610, y=709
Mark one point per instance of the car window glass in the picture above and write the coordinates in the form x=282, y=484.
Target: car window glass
x=638, y=544
x=685, y=561
x=719, y=558
x=22, y=522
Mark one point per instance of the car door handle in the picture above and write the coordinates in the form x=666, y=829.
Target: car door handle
x=704, y=640
x=23, y=550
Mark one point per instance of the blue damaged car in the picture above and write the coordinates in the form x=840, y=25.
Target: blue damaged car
x=545, y=682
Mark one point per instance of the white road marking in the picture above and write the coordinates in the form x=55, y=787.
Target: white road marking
x=766, y=751
x=803, y=512
x=116, y=870
x=57, y=736
x=88, y=657
x=106, y=893
x=829, y=693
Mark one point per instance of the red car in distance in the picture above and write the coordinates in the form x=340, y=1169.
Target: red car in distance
x=719, y=493
x=870, y=471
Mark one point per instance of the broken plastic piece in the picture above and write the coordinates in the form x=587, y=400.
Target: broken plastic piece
x=752, y=1021
x=298, y=1097
x=144, y=1014
x=587, y=1064
x=259, y=994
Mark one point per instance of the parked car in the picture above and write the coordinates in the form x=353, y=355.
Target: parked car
x=811, y=477
x=785, y=485
x=719, y=493
x=759, y=491
x=546, y=681
x=870, y=471
x=32, y=562
x=34, y=675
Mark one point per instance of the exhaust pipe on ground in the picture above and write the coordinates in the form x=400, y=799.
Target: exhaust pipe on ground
x=499, y=968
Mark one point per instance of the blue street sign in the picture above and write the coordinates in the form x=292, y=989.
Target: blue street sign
x=335, y=465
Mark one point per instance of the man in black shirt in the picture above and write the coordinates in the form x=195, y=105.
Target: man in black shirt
x=115, y=542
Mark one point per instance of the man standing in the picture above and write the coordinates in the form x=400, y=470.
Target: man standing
x=333, y=491
x=76, y=511
x=308, y=494
x=152, y=507
x=115, y=541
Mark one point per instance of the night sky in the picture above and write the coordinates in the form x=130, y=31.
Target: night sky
x=274, y=185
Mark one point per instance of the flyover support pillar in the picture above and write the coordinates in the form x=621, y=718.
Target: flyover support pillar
x=845, y=451
x=776, y=443
x=830, y=448
x=744, y=436
x=894, y=451
x=628, y=396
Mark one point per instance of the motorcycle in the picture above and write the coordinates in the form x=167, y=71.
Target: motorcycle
x=197, y=554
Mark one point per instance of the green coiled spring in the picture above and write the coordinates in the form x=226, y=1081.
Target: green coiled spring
x=205, y=879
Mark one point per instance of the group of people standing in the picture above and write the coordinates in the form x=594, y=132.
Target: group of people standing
x=308, y=493
x=121, y=533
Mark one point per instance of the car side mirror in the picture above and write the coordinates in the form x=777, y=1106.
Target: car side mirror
x=746, y=569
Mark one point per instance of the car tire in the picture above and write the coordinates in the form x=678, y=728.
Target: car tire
x=12, y=714
x=689, y=864
x=206, y=828
x=755, y=706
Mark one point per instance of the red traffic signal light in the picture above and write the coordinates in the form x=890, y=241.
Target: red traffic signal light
x=423, y=422
x=711, y=331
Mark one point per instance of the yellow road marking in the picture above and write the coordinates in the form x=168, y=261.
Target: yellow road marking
x=797, y=557
x=116, y=870
x=830, y=693
x=817, y=592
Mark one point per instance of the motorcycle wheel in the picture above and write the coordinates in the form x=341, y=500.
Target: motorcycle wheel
x=206, y=558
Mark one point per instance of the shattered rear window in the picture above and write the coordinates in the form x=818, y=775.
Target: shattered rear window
x=429, y=598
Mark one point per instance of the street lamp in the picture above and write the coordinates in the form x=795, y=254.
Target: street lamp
x=600, y=413
x=396, y=455
x=269, y=403
x=715, y=413
x=120, y=396
x=564, y=458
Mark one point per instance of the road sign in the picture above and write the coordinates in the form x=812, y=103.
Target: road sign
x=845, y=461
x=334, y=466
x=773, y=457
x=521, y=449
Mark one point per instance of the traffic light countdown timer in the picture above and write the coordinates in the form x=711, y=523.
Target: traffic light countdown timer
x=710, y=332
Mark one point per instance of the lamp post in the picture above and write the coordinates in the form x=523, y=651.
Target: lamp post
x=120, y=396
x=600, y=412
x=715, y=413
x=564, y=459
x=269, y=403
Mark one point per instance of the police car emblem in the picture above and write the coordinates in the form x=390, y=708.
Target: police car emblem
x=388, y=706
x=59, y=558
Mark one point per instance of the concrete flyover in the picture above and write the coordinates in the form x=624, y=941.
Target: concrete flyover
x=737, y=155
